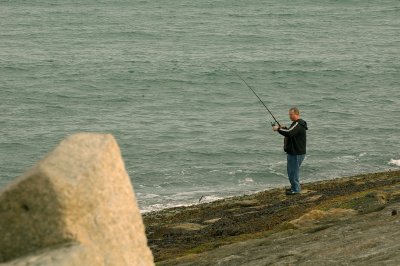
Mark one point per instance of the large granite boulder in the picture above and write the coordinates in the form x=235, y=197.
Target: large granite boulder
x=75, y=207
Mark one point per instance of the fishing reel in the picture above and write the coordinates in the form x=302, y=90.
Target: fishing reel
x=273, y=124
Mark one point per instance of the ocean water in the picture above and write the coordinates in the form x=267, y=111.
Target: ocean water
x=152, y=74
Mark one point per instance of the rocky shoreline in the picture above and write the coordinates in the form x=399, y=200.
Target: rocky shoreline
x=250, y=230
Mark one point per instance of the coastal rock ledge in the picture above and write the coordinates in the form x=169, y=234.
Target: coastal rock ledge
x=74, y=207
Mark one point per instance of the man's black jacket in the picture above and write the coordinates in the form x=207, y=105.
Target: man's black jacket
x=295, y=137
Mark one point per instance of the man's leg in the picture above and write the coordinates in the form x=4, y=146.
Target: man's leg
x=293, y=169
x=296, y=176
x=291, y=166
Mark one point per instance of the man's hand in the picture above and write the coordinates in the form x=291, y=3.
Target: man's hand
x=275, y=128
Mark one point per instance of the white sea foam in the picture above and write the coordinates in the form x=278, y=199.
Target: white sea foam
x=162, y=206
x=159, y=207
x=147, y=196
x=247, y=181
x=394, y=162
x=236, y=171
x=210, y=198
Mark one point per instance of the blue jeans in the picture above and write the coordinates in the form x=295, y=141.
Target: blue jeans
x=293, y=170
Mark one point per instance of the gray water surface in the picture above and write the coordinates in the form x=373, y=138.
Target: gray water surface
x=151, y=73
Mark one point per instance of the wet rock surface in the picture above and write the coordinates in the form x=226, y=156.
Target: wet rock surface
x=259, y=216
x=364, y=239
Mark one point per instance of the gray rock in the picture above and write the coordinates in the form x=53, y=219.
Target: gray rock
x=75, y=207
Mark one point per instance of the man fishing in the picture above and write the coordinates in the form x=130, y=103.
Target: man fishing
x=295, y=141
x=295, y=147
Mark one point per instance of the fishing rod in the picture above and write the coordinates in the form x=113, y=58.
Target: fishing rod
x=237, y=74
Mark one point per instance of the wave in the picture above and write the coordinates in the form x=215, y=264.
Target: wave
x=394, y=162
x=181, y=203
x=248, y=181
x=159, y=207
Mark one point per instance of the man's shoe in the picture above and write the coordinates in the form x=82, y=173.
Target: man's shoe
x=290, y=192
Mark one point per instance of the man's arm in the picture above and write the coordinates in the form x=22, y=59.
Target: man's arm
x=294, y=130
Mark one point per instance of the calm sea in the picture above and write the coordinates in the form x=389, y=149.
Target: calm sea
x=152, y=74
